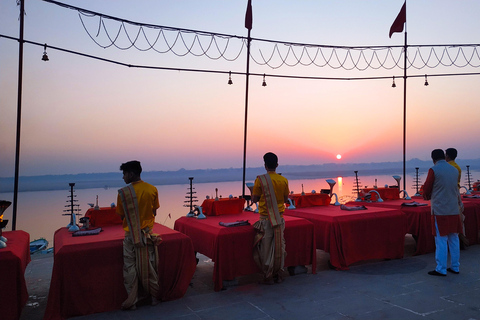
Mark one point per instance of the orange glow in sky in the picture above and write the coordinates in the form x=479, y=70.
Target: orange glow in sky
x=81, y=115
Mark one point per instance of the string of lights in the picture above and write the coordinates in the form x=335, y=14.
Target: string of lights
x=177, y=45
x=334, y=57
x=125, y=34
x=388, y=58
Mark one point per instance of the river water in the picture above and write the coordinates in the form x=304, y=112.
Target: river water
x=40, y=212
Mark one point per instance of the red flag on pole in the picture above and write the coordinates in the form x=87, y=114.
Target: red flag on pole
x=249, y=16
x=397, y=25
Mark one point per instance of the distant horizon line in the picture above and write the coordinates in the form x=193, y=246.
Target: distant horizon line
x=328, y=164
x=181, y=176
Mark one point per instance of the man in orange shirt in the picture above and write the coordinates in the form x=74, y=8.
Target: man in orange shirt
x=137, y=205
x=4, y=204
x=450, y=156
x=271, y=191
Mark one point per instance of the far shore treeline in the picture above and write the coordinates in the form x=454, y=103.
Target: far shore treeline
x=293, y=172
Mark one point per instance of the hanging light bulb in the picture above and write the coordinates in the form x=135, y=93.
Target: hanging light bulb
x=264, y=84
x=426, y=81
x=45, y=57
x=230, y=77
x=393, y=84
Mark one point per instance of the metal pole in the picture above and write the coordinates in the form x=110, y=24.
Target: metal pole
x=404, y=109
x=249, y=39
x=405, y=102
x=19, y=113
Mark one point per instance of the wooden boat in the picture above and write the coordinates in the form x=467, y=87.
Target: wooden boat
x=38, y=245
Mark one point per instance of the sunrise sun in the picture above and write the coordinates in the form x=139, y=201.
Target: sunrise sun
x=339, y=156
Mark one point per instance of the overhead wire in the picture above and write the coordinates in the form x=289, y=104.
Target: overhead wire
x=271, y=75
x=272, y=53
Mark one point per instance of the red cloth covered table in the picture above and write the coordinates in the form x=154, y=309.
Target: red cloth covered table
x=87, y=274
x=419, y=221
x=352, y=236
x=13, y=262
x=210, y=207
x=472, y=219
x=105, y=216
x=310, y=199
x=385, y=193
x=231, y=248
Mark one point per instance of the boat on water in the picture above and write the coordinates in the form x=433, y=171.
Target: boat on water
x=38, y=245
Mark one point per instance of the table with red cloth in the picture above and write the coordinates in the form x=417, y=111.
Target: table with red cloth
x=13, y=262
x=472, y=218
x=385, y=193
x=87, y=274
x=419, y=221
x=231, y=248
x=352, y=236
x=104, y=216
x=211, y=207
x=310, y=199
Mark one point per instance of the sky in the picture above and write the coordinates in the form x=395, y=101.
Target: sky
x=81, y=115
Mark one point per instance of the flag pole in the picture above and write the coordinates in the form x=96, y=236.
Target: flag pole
x=246, y=114
x=248, y=25
x=398, y=26
x=405, y=102
x=19, y=114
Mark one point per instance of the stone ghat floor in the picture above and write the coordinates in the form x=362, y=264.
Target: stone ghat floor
x=394, y=289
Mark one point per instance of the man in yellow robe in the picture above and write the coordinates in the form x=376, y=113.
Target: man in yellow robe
x=271, y=191
x=450, y=156
x=137, y=205
x=4, y=204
